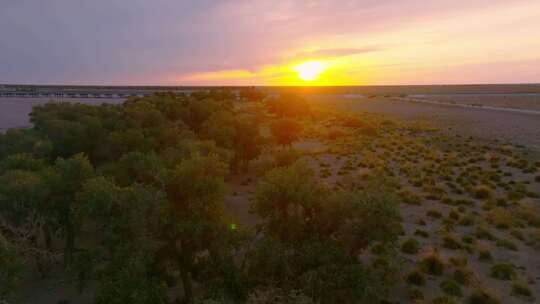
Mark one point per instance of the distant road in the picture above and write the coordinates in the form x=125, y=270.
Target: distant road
x=483, y=107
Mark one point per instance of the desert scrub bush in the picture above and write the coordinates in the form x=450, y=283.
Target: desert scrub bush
x=517, y=234
x=451, y=288
x=482, y=192
x=462, y=275
x=432, y=263
x=421, y=233
x=451, y=241
x=501, y=218
x=454, y=215
x=528, y=211
x=434, y=193
x=270, y=295
x=458, y=261
x=434, y=213
x=483, y=233
x=408, y=197
x=13, y=270
x=468, y=239
x=334, y=134
x=482, y=296
x=416, y=294
x=444, y=300
x=503, y=271
x=507, y=244
x=285, y=157
x=533, y=239
x=380, y=249
x=537, y=178
x=410, y=246
x=415, y=277
x=521, y=289
x=420, y=222
x=466, y=221
x=484, y=255
x=464, y=202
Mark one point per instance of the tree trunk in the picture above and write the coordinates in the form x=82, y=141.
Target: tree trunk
x=186, y=280
x=70, y=244
x=47, y=235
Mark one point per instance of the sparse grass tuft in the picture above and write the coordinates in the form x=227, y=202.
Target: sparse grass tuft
x=416, y=294
x=434, y=213
x=484, y=255
x=458, y=261
x=482, y=192
x=482, y=296
x=463, y=276
x=444, y=300
x=506, y=244
x=409, y=197
x=410, y=246
x=503, y=271
x=421, y=233
x=432, y=264
x=521, y=289
x=451, y=241
x=451, y=287
x=416, y=277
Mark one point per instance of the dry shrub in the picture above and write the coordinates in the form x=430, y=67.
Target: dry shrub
x=272, y=295
x=529, y=212
x=501, y=218
x=335, y=133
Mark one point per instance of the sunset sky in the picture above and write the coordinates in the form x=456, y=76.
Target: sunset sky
x=269, y=42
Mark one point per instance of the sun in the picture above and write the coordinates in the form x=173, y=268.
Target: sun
x=310, y=71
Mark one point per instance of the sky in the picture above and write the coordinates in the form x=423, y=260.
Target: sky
x=269, y=42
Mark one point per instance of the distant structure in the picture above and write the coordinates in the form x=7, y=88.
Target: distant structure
x=35, y=91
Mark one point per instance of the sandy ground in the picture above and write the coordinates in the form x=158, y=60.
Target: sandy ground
x=529, y=101
x=517, y=128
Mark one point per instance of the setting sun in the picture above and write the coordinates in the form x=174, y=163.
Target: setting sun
x=310, y=70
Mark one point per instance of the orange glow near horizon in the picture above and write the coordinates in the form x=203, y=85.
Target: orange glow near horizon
x=402, y=55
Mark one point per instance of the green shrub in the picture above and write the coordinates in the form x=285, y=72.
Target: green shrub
x=520, y=289
x=409, y=197
x=444, y=300
x=482, y=296
x=467, y=221
x=454, y=215
x=432, y=264
x=421, y=233
x=483, y=233
x=416, y=294
x=517, y=234
x=451, y=242
x=458, y=261
x=484, y=255
x=415, y=277
x=410, y=246
x=467, y=239
x=434, y=214
x=420, y=222
x=451, y=287
x=506, y=244
x=482, y=192
x=462, y=275
x=503, y=271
